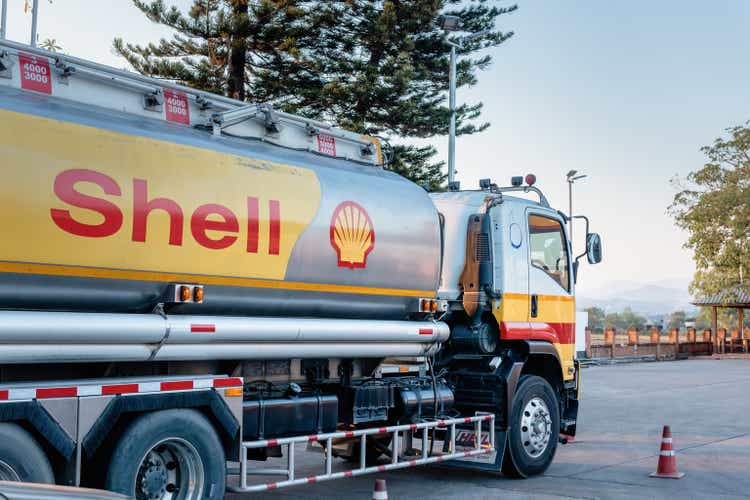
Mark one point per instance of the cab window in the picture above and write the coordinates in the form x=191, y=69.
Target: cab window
x=548, y=249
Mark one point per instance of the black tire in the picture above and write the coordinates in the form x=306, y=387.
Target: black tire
x=518, y=462
x=22, y=457
x=179, y=427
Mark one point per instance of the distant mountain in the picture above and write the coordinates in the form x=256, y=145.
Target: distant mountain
x=660, y=297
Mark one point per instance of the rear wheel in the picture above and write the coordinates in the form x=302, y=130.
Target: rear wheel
x=170, y=454
x=533, y=431
x=21, y=457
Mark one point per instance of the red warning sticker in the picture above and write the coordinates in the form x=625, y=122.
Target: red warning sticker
x=35, y=73
x=326, y=145
x=178, y=110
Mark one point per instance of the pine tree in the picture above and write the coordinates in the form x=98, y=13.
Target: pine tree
x=375, y=67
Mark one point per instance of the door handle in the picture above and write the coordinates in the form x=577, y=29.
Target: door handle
x=534, y=305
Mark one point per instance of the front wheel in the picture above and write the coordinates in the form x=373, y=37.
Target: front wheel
x=170, y=454
x=533, y=428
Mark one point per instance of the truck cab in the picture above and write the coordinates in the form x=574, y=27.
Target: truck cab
x=508, y=277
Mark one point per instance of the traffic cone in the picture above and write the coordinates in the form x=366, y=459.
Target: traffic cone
x=379, y=493
x=667, y=467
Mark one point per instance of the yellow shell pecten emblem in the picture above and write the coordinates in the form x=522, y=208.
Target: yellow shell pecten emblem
x=352, y=234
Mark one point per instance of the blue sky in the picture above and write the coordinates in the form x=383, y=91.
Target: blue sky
x=626, y=92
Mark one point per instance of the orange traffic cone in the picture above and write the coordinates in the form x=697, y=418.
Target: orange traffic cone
x=379, y=493
x=667, y=461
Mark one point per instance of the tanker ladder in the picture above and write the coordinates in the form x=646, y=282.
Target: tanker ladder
x=398, y=432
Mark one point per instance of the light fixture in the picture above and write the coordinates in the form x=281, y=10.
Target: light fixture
x=450, y=23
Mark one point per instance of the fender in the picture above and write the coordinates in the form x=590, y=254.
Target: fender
x=207, y=400
x=37, y=417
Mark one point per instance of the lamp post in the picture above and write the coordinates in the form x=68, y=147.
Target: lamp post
x=3, y=19
x=571, y=178
x=34, y=19
x=449, y=24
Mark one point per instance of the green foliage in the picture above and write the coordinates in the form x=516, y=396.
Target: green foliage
x=713, y=206
x=374, y=67
x=596, y=318
x=677, y=319
x=625, y=319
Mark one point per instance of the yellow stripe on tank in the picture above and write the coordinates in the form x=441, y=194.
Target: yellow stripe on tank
x=123, y=274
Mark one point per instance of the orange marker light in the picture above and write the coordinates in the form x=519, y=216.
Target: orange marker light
x=185, y=293
x=433, y=306
x=233, y=392
x=198, y=294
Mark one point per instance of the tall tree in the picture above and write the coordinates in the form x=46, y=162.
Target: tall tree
x=596, y=318
x=677, y=319
x=713, y=206
x=374, y=67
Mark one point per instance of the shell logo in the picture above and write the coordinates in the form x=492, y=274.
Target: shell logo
x=352, y=234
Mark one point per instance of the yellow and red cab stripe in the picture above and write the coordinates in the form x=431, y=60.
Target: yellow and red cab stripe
x=554, y=323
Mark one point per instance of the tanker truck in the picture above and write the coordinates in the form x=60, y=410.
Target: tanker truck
x=194, y=288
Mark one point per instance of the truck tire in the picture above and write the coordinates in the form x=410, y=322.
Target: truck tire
x=168, y=454
x=21, y=457
x=533, y=428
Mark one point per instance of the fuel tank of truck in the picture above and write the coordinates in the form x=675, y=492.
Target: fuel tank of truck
x=103, y=211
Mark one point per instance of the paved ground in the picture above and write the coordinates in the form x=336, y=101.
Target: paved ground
x=707, y=403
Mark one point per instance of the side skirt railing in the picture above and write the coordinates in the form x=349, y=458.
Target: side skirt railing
x=482, y=423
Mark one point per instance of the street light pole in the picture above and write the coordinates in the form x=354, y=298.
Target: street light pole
x=570, y=212
x=448, y=24
x=571, y=178
x=34, y=19
x=4, y=20
x=452, y=105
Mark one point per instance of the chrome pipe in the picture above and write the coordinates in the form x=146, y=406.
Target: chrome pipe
x=72, y=353
x=26, y=327
x=259, y=329
x=32, y=327
x=90, y=353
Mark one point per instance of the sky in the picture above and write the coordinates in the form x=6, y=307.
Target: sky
x=625, y=92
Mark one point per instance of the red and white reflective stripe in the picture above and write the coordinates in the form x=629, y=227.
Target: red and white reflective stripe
x=666, y=440
x=666, y=453
x=116, y=389
x=425, y=331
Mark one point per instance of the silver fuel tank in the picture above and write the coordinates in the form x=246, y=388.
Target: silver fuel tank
x=103, y=211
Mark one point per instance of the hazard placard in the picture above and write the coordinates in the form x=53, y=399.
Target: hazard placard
x=326, y=145
x=35, y=73
x=177, y=109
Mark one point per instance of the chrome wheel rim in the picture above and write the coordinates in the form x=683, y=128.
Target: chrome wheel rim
x=536, y=427
x=172, y=469
x=8, y=473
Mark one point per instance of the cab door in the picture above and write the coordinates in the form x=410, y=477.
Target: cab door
x=551, y=298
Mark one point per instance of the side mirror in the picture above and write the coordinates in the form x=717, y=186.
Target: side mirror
x=593, y=248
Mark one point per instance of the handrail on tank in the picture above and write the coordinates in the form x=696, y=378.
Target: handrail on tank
x=123, y=77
